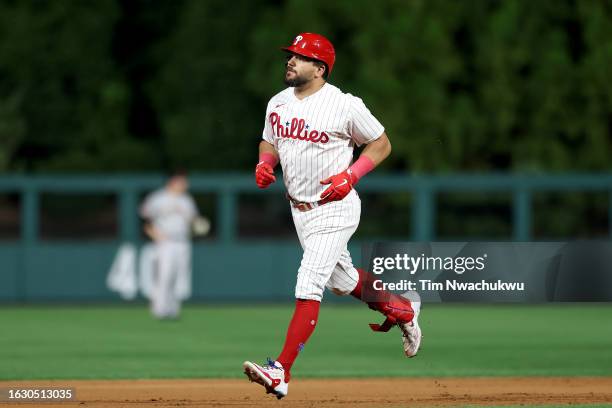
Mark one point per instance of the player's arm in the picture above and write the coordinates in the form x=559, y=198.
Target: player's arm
x=376, y=152
x=371, y=156
x=153, y=233
x=266, y=148
x=148, y=210
x=364, y=128
x=200, y=225
x=268, y=159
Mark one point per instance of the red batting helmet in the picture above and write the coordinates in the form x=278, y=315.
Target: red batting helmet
x=314, y=46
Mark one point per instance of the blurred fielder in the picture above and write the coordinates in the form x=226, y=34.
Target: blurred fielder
x=170, y=215
x=312, y=128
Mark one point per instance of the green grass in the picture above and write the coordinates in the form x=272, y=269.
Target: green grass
x=212, y=341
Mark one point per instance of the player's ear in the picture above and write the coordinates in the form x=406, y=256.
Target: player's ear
x=322, y=70
x=326, y=72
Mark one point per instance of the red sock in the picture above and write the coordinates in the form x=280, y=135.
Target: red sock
x=364, y=290
x=391, y=305
x=301, y=327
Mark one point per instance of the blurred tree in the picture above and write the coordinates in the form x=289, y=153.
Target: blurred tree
x=12, y=128
x=463, y=86
x=403, y=63
x=460, y=86
x=209, y=120
x=143, y=24
x=62, y=88
x=551, y=125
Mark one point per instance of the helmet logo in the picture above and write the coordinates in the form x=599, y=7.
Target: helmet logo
x=298, y=39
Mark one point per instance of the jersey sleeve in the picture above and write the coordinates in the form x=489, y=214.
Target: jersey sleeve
x=268, y=134
x=363, y=126
x=148, y=209
x=192, y=208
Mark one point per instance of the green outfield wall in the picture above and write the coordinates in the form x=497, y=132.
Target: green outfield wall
x=228, y=266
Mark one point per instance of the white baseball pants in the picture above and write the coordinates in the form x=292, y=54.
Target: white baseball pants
x=173, y=259
x=324, y=233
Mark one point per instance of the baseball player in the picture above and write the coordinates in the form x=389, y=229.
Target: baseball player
x=170, y=212
x=311, y=128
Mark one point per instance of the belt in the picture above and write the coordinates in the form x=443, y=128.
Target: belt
x=301, y=205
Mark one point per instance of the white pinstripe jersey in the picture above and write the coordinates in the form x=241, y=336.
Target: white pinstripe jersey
x=315, y=136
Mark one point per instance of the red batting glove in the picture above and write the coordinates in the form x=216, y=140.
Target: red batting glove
x=341, y=185
x=264, y=174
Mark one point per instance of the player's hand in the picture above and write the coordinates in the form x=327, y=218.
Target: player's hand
x=264, y=174
x=340, y=185
x=200, y=226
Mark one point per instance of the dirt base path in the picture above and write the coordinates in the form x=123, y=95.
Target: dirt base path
x=346, y=393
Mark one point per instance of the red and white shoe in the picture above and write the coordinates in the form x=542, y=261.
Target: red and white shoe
x=411, y=337
x=271, y=376
x=411, y=332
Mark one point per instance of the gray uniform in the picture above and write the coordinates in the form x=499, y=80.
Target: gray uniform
x=172, y=215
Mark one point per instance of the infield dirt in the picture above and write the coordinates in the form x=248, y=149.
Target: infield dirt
x=379, y=392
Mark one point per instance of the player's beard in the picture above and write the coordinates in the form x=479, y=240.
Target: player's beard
x=296, y=81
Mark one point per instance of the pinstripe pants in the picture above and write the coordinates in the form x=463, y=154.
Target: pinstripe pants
x=324, y=233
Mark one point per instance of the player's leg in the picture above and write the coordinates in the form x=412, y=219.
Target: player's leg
x=323, y=234
x=402, y=311
x=182, y=284
x=328, y=229
x=344, y=278
x=399, y=310
x=159, y=293
x=172, y=301
x=167, y=300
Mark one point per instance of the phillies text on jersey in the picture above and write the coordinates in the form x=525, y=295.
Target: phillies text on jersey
x=296, y=129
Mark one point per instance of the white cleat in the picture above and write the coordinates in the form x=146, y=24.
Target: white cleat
x=411, y=337
x=411, y=332
x=271, y=376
